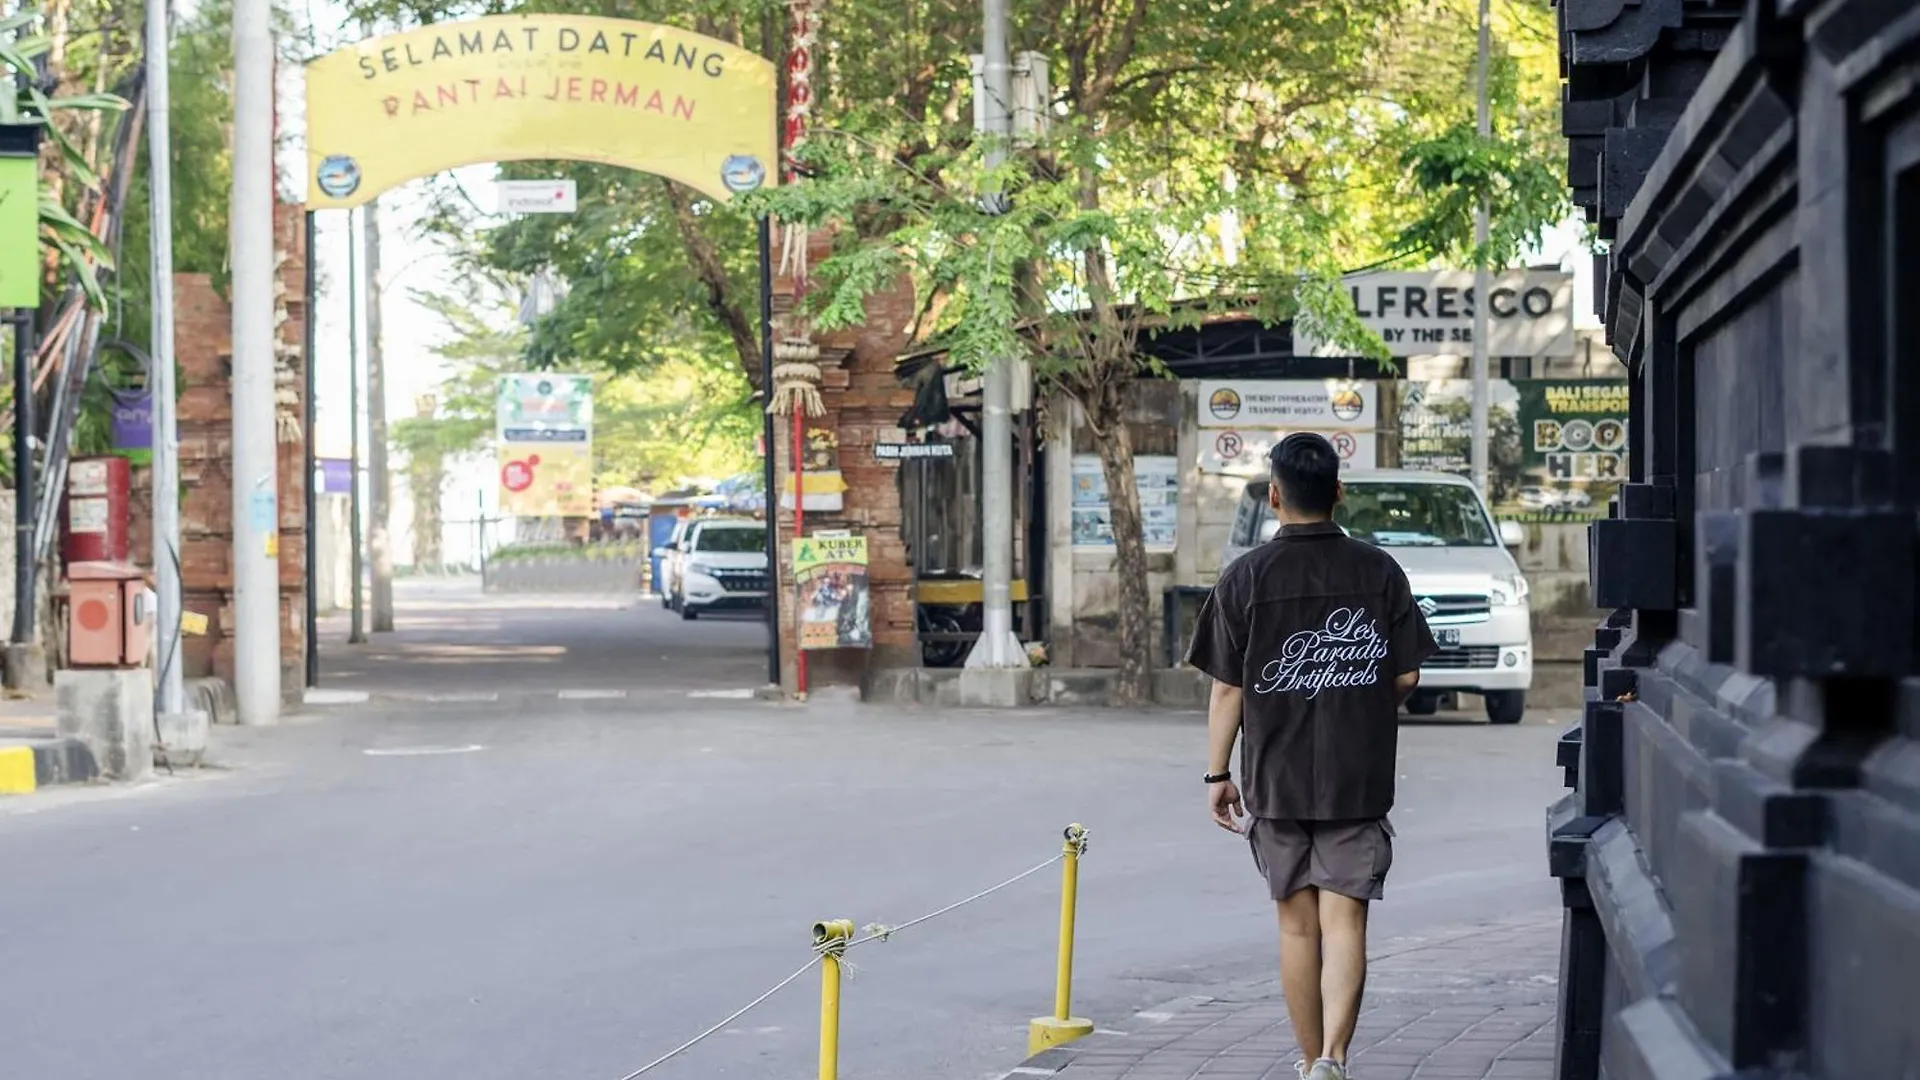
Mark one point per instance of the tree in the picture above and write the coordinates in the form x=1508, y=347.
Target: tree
x=1209, y=156
x=1204, y=161
x=680, y=417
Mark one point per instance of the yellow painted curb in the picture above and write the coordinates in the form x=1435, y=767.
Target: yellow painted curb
x=16, y=770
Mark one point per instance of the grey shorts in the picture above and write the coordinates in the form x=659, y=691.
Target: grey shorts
x=1346, y=857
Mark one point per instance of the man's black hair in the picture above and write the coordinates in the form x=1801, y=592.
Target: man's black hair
x=1308, y=472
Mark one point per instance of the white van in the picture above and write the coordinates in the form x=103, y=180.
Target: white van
x=1438, y=528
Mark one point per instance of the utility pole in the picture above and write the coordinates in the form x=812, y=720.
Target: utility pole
x=379, y=484
x=171, y=688
x=997, y=646
x=256, y=482
x=1482, y=273
x=357, y=629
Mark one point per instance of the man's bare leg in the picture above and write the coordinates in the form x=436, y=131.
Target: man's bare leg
x=1343, y=977
x=1300, y=975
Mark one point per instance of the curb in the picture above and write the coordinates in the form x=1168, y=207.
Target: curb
x=27, y=766
x=327, y=699
x=1053, y=1059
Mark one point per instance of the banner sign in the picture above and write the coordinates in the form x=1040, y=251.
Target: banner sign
x=538, y=88
x=336, y=476
x=1157, y=478
x=543, y=430
x=132, y=421
x=19, y=230
x=1292, y=404
x=1573, y=433
x=830, y=578
x=1557, y=448
x=538, y=196
x=1232, y=452
x=894, y=451
x=1431, y=312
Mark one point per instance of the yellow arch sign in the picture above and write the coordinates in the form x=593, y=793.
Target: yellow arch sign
x=538, y=87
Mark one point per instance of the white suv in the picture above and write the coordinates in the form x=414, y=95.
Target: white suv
x=718, y=564
x=1437, y=527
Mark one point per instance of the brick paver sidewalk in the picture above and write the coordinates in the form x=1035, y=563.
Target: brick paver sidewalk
x=1473, y=1003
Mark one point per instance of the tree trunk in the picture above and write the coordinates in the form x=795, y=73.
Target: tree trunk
x=425, y=475
x=722, y=298
x=1108, y=416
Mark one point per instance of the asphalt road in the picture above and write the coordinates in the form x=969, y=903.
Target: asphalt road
x=450, y=637
x=576, y=891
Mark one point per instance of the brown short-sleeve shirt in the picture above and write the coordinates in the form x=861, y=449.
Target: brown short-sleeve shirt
x=1314, y=627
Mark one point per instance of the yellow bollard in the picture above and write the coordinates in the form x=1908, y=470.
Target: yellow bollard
x=1063, y=1027
x=830, y=941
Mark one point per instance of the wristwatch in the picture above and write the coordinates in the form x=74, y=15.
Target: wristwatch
x=1218, y=778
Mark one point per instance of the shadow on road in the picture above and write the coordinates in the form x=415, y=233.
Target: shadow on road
x=450, y=637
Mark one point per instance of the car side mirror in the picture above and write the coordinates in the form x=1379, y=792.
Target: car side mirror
x=1511, y=534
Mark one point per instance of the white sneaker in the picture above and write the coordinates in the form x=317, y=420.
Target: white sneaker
x=1326, y=1069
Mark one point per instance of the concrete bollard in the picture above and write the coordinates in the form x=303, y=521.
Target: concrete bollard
x=112, y=713
x=183, y=739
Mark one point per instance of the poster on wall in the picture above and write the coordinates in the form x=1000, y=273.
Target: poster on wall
x=1557, y=448
x=1290, y=404
x=1238, y=452
x=543, y=439
x=830, y=579
x=1573, y=436
x=1157, y=478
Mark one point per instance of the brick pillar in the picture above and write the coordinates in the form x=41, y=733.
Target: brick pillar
x=203, y=350
x=863, y=400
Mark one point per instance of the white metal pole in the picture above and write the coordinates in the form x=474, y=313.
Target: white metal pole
x=1482, y=273
x=256, y=507
x=379, y=481
x=166, y=435
x=997, y=646
x=357, y=626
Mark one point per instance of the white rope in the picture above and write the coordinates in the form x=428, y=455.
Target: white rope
x=877, y=932
x=837, y=948
x=702, y=1037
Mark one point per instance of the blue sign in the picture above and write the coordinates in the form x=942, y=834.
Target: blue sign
x=133, y=421
x=336, y=476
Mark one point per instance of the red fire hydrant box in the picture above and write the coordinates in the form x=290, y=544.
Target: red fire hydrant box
x=109, y=615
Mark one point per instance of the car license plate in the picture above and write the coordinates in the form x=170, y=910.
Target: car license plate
x=1447, y=639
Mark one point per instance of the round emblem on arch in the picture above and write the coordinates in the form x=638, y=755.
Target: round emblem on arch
x=742, y=173
x=338, y=176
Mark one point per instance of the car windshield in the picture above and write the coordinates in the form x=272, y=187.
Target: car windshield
x=735, y=541
x=1414, y=515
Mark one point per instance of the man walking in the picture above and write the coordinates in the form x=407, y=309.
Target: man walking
x=1313, y=641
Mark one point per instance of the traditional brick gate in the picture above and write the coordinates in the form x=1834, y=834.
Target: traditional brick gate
x=204, y=352
x=864, y=402
x=1741, y=856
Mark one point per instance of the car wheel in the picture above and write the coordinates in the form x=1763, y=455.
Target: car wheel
x=688, y=613
x=666, y=601
x=1423, y=704
x=1505, y=706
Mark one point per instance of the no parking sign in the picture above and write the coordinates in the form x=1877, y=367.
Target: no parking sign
x=1234, y=452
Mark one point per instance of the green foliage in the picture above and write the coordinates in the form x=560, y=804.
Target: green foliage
x=680, y=416
x=1518, y=170
x=24, y=99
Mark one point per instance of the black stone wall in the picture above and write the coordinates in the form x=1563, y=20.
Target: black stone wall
x=1740, y=854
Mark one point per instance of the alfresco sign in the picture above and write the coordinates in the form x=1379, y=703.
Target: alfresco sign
x=1529, y=313
x=1289, y=404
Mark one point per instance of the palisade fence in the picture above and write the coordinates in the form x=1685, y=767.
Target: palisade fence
x=1740, y=856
